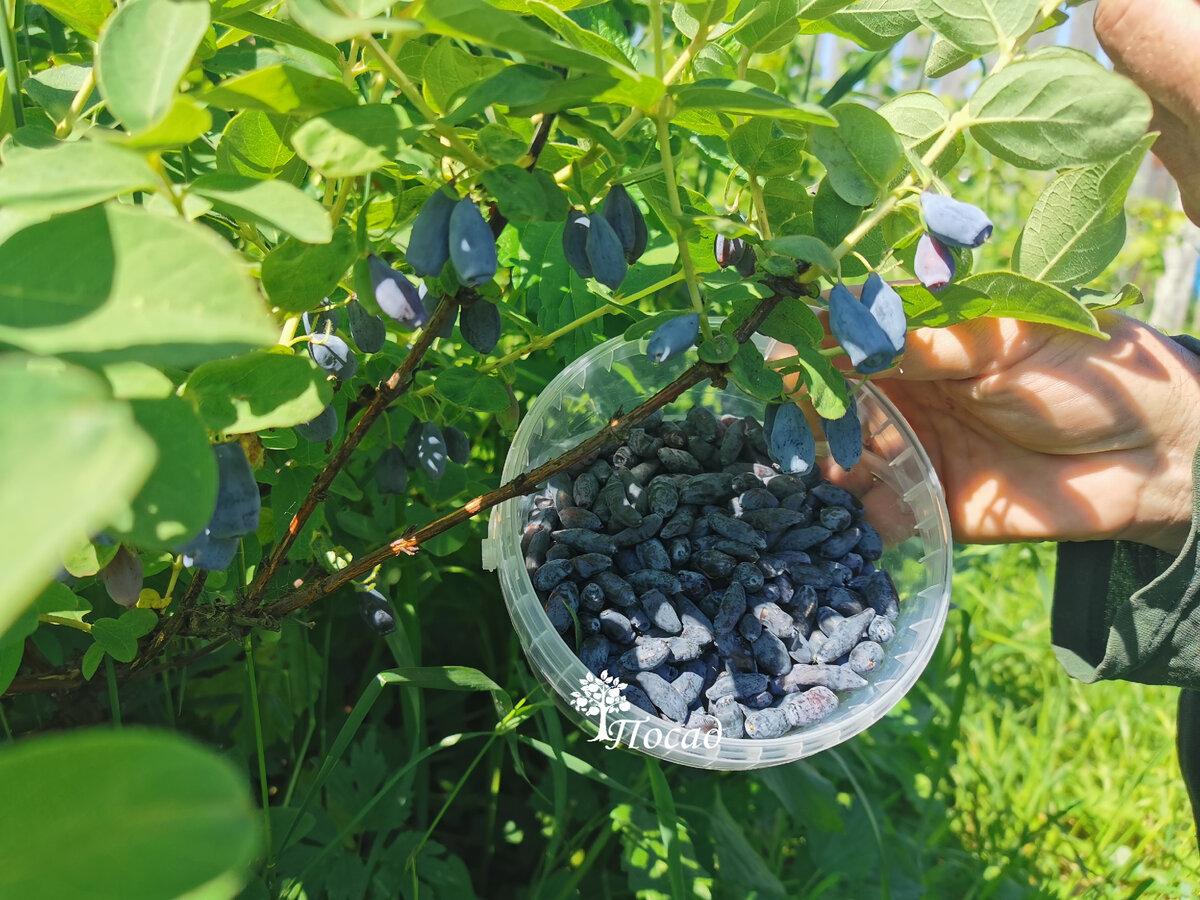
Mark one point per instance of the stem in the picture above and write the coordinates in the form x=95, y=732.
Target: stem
x=114, y=699
x=52, y=619
x=685, y=256
x=447, y=132
x=63, y=129
x=12, y=67
x=656, y=36
x=262, y=753
x=343, y=197
x=387, y=392
x=760, y=206
x=176, y=568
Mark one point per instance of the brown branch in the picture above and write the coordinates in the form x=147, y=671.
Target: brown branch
x=527, y=482
x=168, y=628
x=387, y=392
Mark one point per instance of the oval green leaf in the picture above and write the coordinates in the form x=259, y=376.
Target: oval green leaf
x=117, y=282
x=257, y=391
x=275, y=203
x=71, y=176
x=71, y=458
x=861, y=155
x=353, y=141
x=144, y=51
x=142, y=815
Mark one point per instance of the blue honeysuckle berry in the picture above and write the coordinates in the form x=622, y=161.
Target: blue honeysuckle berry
x=429, y=240
x=472, y=244
x=238, y=504
x=887, y=308
x=673, y=337
x=333, y=354
x=396, y=295
x=844, y=436
x=855, y=329
x=575, y=235
x=954, y=222
x=728, y=251
x=376, y=611
x=321, y=427
x=792, y=443
x=605, y=254
x=933, y=264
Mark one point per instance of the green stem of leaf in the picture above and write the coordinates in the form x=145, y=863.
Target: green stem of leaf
x=114, y=699
x=760, y=208
x=64, y=128
x=260, y=747
x=52, y=619
x=12, y=68
x=465, y=153
x=681, y=229
x=656, y=37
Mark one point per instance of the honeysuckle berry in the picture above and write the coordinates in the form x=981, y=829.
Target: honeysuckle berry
x=844, y=436
x=887, y=308
x=792, y=444
x=854, y=327
x=626, y=220
x=954, y=222
x=472, y=245
x=728, y=251
x=605, y=253
x=933, y=264
x=429, y=240
x=574, y=242
x=396, y=295
x=673, y=337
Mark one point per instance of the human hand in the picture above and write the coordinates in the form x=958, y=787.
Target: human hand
x=1154, y=43
x=1038, y=433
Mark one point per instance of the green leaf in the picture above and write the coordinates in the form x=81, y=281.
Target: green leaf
x=1015, y=296
x=91, y=661
x=53, y=90
x=1127, y=295
x=117, y=282
x=71, y=176
x=449, y=69
x=872, y=24
x=88, y=558
x=71, y=458
x=744, y=98
x=518, y=194
x=144, y=51
x=862, y=155
x=281, y=32
x=177, y=499
x=794, y=323
x=762, y=147
x=1055, y=110
x=144, y=814
x=919, y=118
x=774, y=24
x=481, y=23
x=297, y=276
x=257, y=391
x=254, y=144
x=281, y=89
x=10, y=663
x=576, y=35
x=354, y=141
x=472, y=390
x=720, y=349
x=59, y=600
x=114, y=640
x=951, y=306
x=184, y=122
x=740, y=863
x=84, y=16
x=1077, y=226
x=826, y=385
x=805, y=247
x=979, y=26
x=944, y=58
x=318, y=19
x=274, y=203
x=752, y=375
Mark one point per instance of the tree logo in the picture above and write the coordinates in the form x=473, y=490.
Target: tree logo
x=601, y=696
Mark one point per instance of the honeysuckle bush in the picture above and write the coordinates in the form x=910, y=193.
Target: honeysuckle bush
x=182, y=182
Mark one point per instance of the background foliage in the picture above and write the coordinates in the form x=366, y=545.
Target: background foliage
x=181, y=180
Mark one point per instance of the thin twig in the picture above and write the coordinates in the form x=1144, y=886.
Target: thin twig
x=170, y=627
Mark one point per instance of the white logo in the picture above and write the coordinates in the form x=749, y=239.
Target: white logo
x=601, y=696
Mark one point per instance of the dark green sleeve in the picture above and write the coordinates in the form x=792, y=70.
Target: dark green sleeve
x=1128, y=611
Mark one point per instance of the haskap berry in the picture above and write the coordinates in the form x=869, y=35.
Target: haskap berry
x=933, y=264
x=954, y=222
x=376, y=611
x=429, y=241
x=574, y=242
x=480, y=325
x=368, y=331
x=844, y=436
x=704, y=576
x=472, y=244
x=673, y=337
x=605, y=253
x=626, y=221
x=333, y=354
x=792, y=444
x=728, y=251
x=869, y=347
x=320, y=428
x=887, y=308
x=398, y=297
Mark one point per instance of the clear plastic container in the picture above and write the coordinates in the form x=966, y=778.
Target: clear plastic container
x=903, y=499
